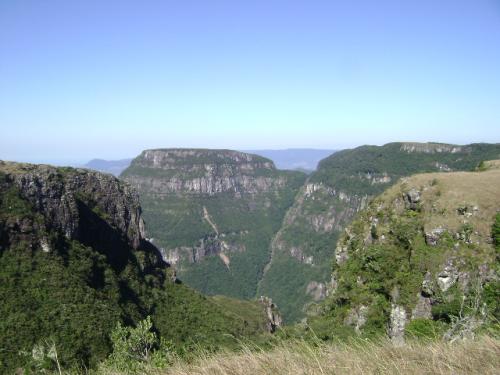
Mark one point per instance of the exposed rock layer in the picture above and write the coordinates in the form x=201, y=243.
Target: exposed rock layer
x=216, y=207
x=202, y=172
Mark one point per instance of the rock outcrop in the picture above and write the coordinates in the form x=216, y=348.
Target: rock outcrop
x=397, y=324
x=412, y=199
x=59, y=195
x=433, y=148
x=357, y=318
x=274, y=319
x=92, y=208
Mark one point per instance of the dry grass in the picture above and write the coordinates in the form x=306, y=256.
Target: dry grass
x=444, y=193
x=472, y=357
x=492, y=164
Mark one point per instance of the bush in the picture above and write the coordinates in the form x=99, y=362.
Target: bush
x=137, y=349
x=447, y=310
x=42, y=359
x=495, y=231
x=482, y=166
x=425, y=329
x=491, y=296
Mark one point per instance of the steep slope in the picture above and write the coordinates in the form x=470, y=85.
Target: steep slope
x=420, y=259
x=74, y=263
x=343, y=184
x=213, y=213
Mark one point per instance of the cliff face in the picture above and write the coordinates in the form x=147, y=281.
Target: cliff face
x=209, y=172
x=333, y=195
x=72, y=255
x=62, y=197
x=74, y=262
x=420, y=259
x=213, y=212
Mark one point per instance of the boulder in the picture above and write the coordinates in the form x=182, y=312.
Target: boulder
x=447, y=277
x=432, y=237
x=412, y=199
x=422, y=309
x=357, y=318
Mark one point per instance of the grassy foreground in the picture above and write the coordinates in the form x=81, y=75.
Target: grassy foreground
x=478, y=357
x=481, y=356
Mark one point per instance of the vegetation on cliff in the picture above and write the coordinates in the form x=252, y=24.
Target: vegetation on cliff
x=213, y=213
x=419, y=261
x=343, y=185
x=74, y=263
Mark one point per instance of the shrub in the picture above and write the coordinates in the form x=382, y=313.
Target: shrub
x=42, y=359
x=425, y=329
x=495, y=231
x=137, y=349
x=465, y=232
x=447, y=310
x=491, y=296
x=482, y=166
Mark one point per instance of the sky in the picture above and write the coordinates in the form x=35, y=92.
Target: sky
x=107, y=79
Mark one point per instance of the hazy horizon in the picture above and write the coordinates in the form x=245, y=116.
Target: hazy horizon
x=83, y=80
x=75, y=162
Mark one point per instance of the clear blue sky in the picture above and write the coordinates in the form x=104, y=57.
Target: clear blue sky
x=84, y=79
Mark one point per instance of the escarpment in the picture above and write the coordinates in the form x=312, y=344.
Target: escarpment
x=332, y=197
x=68, y=199
x=74, y=263
x=72, y=249
x=210, y=172
x=420, y=260
x=213, y=213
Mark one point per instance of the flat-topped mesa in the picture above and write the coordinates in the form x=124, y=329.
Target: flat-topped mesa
x=202, y=171
x=68, y=198
x=432, y=148
x=195, y=159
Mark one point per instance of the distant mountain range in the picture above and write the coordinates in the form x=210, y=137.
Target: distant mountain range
x=115, y=167
x=304, y=159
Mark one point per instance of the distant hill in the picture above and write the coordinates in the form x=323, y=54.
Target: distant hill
x=115, y=167
x=303, y=159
